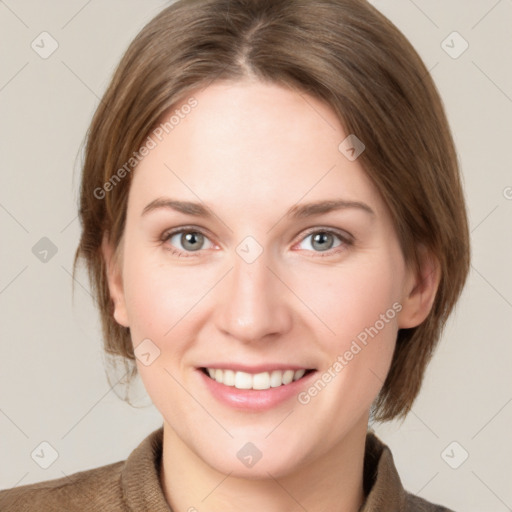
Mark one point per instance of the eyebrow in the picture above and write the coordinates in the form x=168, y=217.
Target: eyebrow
x=295, y=212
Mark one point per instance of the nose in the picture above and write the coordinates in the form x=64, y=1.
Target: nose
x=253, y=302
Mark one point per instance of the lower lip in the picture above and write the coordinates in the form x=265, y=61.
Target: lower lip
x=254, y=399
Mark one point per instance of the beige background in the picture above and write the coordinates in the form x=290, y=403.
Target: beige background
x=52, y=382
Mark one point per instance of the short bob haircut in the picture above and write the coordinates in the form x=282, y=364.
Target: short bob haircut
x=343, y=52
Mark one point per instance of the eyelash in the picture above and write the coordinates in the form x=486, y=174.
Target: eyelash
x=346, y=240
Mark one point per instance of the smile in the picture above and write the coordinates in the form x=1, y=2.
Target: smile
x=257, y=381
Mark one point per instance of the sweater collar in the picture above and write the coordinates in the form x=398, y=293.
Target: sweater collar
x=140, y=478
x=143, y=492
x=382, y=486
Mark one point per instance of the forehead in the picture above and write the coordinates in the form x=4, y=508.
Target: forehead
x=248, y=144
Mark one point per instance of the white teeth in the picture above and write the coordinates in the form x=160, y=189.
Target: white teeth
x=299, y=374
x=229, y=377
x=288, y=376
x=264, y=380
x=276, y=379
x=242, y=380
x=261, y=381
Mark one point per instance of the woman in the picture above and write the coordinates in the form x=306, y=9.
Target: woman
x=303, y=148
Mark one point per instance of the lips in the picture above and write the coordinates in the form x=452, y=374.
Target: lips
x=261, y=380
x=255, y=392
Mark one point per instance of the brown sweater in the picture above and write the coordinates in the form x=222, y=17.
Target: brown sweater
x=134, y=485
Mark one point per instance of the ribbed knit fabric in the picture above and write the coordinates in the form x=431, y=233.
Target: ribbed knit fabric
x=134, y=485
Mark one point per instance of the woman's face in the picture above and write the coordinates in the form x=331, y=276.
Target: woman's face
x=256, y=283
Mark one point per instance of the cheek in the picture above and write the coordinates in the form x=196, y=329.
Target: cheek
x=161, y=302
x=360, y=306
x=159, y=296
x=354, y=298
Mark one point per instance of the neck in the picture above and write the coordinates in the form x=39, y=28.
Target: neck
x=332, y=481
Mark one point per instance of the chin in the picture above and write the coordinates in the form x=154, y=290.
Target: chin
x=265, y=468
x=255, y=460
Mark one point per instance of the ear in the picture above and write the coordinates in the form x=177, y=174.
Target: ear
x=419, y=290
x=115, y=280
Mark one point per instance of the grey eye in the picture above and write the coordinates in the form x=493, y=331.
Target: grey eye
x=189, y=240
x=322, y=240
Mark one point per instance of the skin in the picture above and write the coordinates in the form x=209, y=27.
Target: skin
x=249, y=151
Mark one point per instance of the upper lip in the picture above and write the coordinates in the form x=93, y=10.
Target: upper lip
x=260, y=368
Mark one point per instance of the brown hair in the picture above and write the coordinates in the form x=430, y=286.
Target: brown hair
x=343, y=52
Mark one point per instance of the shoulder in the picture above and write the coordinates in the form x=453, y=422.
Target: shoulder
x=97, y=489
